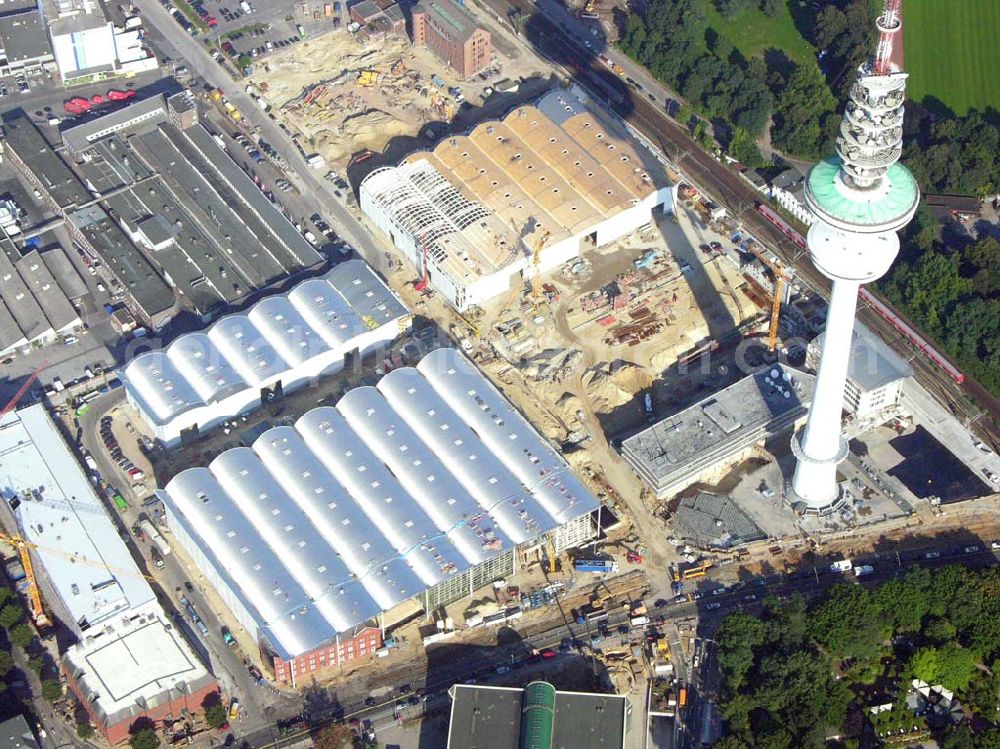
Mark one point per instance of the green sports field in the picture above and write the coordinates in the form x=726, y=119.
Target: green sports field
x=952, y=52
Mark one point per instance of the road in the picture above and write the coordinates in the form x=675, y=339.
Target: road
x=316, y=194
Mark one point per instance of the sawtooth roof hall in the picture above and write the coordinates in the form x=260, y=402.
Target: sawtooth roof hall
x=419, y=487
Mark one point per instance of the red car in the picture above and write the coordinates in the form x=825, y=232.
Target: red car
x=548, y=653
x=212, y=21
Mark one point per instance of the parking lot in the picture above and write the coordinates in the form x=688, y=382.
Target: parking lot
x=246, y=32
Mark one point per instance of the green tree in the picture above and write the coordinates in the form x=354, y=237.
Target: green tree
x=802, y=109
x=982, y=696
x=21, y=636
x=52, y=690
x=771, y=8
x=144, y=738
x=333, y=736
x=84, y=730
x=939, y=631
x=950, y=665
x=744, y=149
x=848, y=623
x=11, y=615
x=37, y=664
x=216, y=714
x=6, y=663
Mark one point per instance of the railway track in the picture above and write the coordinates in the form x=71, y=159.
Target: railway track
x=967, y=401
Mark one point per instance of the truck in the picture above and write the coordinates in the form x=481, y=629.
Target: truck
x=245, y=6
x=863, y=569
x=601, y=566
x=154, y=537
x=118, y=95
x=682, y=697
x=437, y=81
x=91, y=463
x=841, y=565
x=157, y=558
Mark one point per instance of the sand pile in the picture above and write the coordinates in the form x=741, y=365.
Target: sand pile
x=605, y=391
x=552, y=365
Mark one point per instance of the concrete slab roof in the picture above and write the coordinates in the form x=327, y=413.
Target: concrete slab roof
x=50, y=297
x=872, y=363
x=24, y=36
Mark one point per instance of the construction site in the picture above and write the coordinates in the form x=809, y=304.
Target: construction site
x=347, y=95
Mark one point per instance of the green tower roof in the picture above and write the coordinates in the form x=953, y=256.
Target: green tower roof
x=884, y=210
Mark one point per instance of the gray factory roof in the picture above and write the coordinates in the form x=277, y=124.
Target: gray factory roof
x=17, y=296
x=487, y=717
x=230, y=182
x=275, y=335
x=16, y=734
x=147, y=112
x=872, y=363
x=11, y=335
x=62, y=269
x=29, y=145
x=714, y=521
x=24, y=36
x=322, y=507
x=129, y=265
x=47, y=292
x=712, y=428
x=59, y=511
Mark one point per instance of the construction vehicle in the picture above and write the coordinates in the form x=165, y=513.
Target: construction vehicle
x=38, y=615
x=368, y=78
x=398, y=67
x=589, y=11
x=695, y=570
x=551, y=555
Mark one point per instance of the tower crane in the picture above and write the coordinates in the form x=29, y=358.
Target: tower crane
x=24, y=389
x=780, y=278
x=536, y=264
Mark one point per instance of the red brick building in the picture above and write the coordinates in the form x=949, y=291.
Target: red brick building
x=139, y=668
x=361, y=644
x=450, y=31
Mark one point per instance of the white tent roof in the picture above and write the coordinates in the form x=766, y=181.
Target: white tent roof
x=359, y=507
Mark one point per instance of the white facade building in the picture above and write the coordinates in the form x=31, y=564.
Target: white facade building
x=87, y=575
x=875, y=374
x=427, y=482
x=555, y=177
x=279, y=344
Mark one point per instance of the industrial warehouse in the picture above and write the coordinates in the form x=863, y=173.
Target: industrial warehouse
x=516, y=197
x=153, y=200
x=278, y=345
x=128, y=659
x=428, y=486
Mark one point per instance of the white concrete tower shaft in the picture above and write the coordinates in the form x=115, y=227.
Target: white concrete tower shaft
x=861, y=198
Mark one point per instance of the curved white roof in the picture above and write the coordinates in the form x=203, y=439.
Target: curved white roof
x=479, y=470
x=430, y=553
x=341, y=522
x=205, y=367
x=274, y=337
x=507, y=433
x=167, y=391
x=360, y=506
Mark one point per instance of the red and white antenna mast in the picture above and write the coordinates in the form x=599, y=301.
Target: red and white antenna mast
x=889, y=24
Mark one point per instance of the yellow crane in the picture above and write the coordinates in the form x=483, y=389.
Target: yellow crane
x=780, y=276
x=23, y=546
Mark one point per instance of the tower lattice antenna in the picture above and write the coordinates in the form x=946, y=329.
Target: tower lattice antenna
x=888, y=25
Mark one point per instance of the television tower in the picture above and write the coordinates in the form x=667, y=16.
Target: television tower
x=861, y=198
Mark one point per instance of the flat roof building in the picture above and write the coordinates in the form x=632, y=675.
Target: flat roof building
x=15, y=733
x=82, y=38
x=24, y=38
x=484, y=717
x=453, y=34
x=279, y=344
x=558, y=175
x=875, y=374
x=52, y=501
x=150, y=110
x=130, y=660
x=422, y=487
x=141, y=667
x=717, y=431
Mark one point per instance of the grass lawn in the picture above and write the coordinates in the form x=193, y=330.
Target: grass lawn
x=952, y=52
x=752, y=32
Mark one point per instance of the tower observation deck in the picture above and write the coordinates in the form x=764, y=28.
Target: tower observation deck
x=861, y=198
